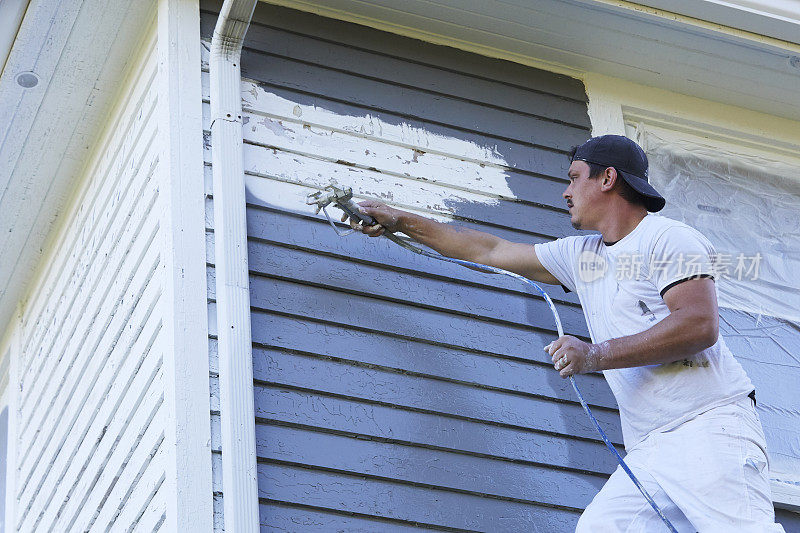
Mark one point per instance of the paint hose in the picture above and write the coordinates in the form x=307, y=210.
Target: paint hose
x=342, y=198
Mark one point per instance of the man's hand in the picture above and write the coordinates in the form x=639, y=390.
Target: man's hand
x=573, y=356
x=387, y=217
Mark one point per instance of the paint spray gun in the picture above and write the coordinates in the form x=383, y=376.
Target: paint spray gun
x=341, y=198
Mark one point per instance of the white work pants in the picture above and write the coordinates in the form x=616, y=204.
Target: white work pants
x=709, y=474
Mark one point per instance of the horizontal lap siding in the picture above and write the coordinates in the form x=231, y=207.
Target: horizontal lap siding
x=394, y=392
x=90, y=420
x=767, y=348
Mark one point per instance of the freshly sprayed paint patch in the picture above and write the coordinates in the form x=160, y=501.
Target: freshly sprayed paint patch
x=295, y=146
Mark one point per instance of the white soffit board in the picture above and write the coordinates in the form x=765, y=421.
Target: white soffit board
x=774, y=18
x=612, y=37
x=79, y=50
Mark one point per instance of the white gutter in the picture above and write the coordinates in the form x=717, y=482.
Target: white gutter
x=237, y=413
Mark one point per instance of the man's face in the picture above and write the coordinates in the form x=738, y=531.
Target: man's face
x=580, y=194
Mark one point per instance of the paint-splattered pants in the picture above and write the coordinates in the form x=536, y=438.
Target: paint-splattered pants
x=708, y=474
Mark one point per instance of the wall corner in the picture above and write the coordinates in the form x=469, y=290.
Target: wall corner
x=188, y=425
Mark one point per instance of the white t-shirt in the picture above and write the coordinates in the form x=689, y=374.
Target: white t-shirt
x=620, y=287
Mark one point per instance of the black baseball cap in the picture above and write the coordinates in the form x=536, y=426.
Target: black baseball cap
x=628, y=159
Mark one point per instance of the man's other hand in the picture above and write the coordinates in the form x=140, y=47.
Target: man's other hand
x=573, y=356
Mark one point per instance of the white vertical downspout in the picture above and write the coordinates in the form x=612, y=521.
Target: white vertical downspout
x=237, y=413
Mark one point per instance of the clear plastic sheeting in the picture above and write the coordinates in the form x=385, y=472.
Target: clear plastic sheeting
x=747, y=206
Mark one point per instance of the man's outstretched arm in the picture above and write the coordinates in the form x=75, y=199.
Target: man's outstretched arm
x=691, y=326
x=457, y=242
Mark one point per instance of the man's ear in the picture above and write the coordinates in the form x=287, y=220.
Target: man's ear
x=609, y=179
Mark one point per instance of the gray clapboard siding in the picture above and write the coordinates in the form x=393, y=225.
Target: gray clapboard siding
x=289, y=518
x=378, y=282
x=371, y=314
x=402, y=389
x=305, y=42
x=311, y=233
x=357, y=342
x=384, y=96
x=356, y=418
x=524, y=374
x=91, y=385
x=293, y=138
x=477, y=66
x=788, y=519
x=421, y=505
x=428, y=380
x=420, y=466
x=466, y=205
x=768, y=348
x=323, y=412
x=296, y=193
x=261, y=100
x=506, y=406
x=296, y=159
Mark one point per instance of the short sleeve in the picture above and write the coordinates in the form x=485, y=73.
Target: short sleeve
x=558, y=257
x=679, y=254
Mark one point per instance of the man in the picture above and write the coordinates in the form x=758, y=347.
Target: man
x=646, y=284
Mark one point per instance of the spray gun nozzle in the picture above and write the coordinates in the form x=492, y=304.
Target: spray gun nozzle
x=329, y=195
x=341, y=198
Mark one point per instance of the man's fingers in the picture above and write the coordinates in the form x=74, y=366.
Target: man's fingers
x=369, y=203
x=352, y=222
x=558, y=353
x=373, y=231
x=555, y=345
x=571, y=369
x=552, y=347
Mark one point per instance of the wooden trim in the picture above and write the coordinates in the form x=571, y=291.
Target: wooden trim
x=188, y=427
x=785, y=495
x=613, y=101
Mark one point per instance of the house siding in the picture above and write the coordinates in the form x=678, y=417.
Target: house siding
x=89, y=410
x=395, y=392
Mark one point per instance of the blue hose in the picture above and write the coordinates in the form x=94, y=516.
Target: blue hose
x=560, y=329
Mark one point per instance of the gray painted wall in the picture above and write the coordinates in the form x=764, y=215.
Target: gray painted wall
x=394, y=392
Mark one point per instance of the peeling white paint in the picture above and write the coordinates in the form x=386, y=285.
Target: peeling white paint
x=400, y=164
x=292, y=198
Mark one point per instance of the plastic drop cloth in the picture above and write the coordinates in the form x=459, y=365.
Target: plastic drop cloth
x=747, y=206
